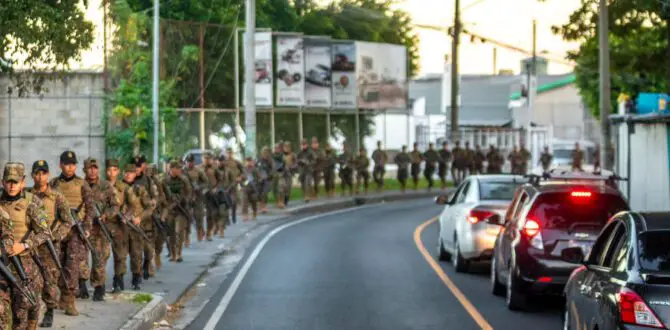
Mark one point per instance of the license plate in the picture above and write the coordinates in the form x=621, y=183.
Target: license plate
x=584, y=245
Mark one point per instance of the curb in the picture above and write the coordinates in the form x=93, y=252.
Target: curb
x=157, y=308
x=154, y=311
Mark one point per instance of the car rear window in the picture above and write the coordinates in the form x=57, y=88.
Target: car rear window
x=564, y=209
x=497, y=190
x=654, y=250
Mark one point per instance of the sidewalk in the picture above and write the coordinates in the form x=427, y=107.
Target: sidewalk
x=174, y=280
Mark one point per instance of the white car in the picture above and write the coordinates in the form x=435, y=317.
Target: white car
x=464, y=235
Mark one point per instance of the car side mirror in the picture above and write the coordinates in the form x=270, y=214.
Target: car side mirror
x=573, y=255
x=443, y=200
x=495, y=219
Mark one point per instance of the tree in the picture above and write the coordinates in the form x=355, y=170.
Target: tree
x=639, y=48
x=38, y=35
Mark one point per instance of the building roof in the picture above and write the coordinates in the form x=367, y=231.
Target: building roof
x=647, y=118
x=551, y=83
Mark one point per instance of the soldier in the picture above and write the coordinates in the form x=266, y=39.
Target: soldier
x=306, y=161
x=147, y=226
x=59, y=221
x=141, y=207
x=416, y=158
x=278, y=159
x=513, y=158
x=267, y=170
x=319, y=164
x=545, y=159
x=155, y=178
x=402, y=159
x=478, y=158
x=29, y=230
x=347, y=163
x=214, y=176
x=329, y=170
x=198, y=181
x=431, y=158
x=577, y=158
x=362, y=171
x=380, y=157
x=596, y=159
x=104, y=196
x=6, y=241
x=468, y=159
x=494, y=161
x=118, y=228
x=179, y=192
x=235, y=168
x=250, y=188
x=457, y=166
x=79, y=199
x=524, y=158
x=443, y=164
x=290, y=166
x=228, y=187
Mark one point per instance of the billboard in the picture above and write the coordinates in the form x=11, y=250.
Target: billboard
x=263, y=68
x=290, y=71
x=318, y=75
x=381, y=76
x=344, y=75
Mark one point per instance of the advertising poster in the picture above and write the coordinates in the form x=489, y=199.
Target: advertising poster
x=381, y=76
x=344, y=75
x=318, y=76
x=263, y=66
x=290, y=71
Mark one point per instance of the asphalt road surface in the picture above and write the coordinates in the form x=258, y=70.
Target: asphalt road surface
x=362, y=269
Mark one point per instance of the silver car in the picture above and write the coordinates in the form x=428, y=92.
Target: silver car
x=465, y=236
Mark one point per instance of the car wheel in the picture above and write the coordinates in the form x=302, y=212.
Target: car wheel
x=497, y=288
x=513, y=298
x=460, y=264
x=442, y=254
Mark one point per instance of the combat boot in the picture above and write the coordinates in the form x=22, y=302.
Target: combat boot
x=137, y=280
x=48, y=319
x=99, y=293
x=145, y=270
x=32, y=324
x=70, y=309
x=115, y=285
x=83, y=290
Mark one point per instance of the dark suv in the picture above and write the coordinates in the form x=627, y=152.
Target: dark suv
x=547, y=216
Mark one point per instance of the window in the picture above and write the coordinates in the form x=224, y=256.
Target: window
x=607, y=257
x=654, y=250
x=497, y=190
x=620, y=261
x=562, y=210
x=456, y=195
x=463, y=193
x=601, y=243
x=523, y=200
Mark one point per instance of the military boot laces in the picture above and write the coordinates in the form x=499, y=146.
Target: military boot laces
x=83, y=290
x=99, y=293
x=48, y=320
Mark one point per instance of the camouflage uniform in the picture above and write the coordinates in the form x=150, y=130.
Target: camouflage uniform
x=306, y=162
x=545, y=160
x=235, y=169
x=286, y=182
x=6, y=240
x=458, y=164
x=514, y=159
x=478, y=159
x=416, y=158
x=577, y=159
x=319, y=165
x=468, y=159
x=402, y=160
x=443, y=165
x=214, y=176
x=147, y=225
x=380, y=157
x=79, y=197
x=161, y=202
x=104, y=196
x=362, y=171
x=431, y=158
x=347, y=163
x=329, y=171
x=525, y=157
x=179, y=191
x=267, y=170
x=29, y=226
x=228, y=184
x=198, y=181
x=118, y=229
x=280, y=166
x=250, y=187
x=494, y=161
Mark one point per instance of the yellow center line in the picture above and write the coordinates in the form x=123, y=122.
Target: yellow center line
x=479, y=319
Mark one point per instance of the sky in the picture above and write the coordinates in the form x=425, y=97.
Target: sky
x=508, y=21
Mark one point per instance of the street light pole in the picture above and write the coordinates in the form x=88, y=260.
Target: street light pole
x=249, y=79
x=454, y=71
x=155, y=68
x=605, y=101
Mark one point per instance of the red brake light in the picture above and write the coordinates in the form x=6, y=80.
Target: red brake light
x=531, y=228
x=633, y=310
x=585, y=194
x=476, y=215
x=544, y=279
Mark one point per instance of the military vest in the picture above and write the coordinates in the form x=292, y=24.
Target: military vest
x=133, y=201
x=211, y=173
x=233, y=166
x=49, y=203
x=17, y=214
x=71, y=190
x=175, y=186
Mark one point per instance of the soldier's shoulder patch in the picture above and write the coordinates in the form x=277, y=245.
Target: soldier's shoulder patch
x=42, y=218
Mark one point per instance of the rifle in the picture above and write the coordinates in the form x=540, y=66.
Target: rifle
x=55, y=257
x=82, y=234
x=27, y=293
x=133, y=226
x=165, y=229
x=190, y=217
x=103, y=226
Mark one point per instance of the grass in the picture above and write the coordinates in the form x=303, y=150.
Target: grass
x=142, y=298
x=389, y=185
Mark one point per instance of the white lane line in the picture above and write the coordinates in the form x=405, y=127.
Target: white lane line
x=225, y=300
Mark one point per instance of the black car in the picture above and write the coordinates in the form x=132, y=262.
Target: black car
x=625, y=281
x=546, y=217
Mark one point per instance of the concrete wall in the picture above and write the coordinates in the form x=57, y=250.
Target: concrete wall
x=562, y=108
x=67, y=116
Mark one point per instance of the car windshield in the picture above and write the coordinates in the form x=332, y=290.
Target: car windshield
x=561, y=210
x=654, y=250
x=497, y=190
x=562, y=153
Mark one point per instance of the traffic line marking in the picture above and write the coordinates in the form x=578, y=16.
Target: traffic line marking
x=228, y=296
x=476, y=316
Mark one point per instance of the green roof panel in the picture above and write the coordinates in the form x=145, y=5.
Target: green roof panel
x=548, y=87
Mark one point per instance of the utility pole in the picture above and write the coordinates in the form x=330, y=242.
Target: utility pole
x=454, y=71
x=249, y=80
x=605, y=102
x=156, y=71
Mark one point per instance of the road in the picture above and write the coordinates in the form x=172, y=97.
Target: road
x=362, y=269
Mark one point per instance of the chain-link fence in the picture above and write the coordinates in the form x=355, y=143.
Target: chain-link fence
x=67, y=116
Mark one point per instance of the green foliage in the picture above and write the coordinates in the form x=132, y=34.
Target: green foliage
x=639, y=48
x=142, y=298
x=39, y=34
